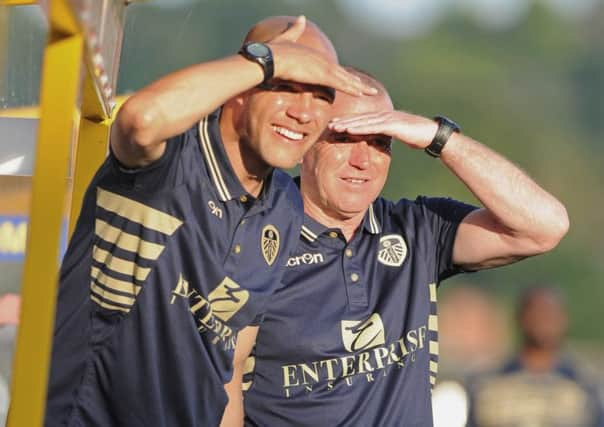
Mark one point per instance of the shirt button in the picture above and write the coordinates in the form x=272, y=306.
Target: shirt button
x=237, y=249
x=348, y=253
x=243, y=198
x=242, y=222
x=333, y=234
x=354, y=277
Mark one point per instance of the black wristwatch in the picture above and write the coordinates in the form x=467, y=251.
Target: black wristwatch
x=445, y=128
x=261, y=54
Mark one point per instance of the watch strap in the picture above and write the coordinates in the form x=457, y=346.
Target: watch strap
x=266, y=61
x=446, y=127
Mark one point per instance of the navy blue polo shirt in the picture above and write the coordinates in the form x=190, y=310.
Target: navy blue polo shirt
x=351, y=340
x=166, y=264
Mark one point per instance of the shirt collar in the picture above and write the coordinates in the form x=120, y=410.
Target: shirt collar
x=311, y=229
x=218, y=164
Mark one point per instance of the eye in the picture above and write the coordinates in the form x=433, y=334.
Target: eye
x=282, y=87
x=382, y=143
x=326, y=94
x=340, y=137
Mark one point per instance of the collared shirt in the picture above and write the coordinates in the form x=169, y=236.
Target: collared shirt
x=351, y=339
x=166, y=264
x=515, y=396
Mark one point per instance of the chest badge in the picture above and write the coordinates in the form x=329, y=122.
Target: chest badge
x=393, y=250
x=270, y=243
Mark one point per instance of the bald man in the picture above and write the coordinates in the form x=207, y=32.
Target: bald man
x=185, y=230
x=351, y=338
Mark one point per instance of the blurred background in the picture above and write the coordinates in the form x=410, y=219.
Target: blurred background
x=525, y=77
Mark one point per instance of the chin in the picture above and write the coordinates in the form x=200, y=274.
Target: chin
x=350, y=209
x=283, y=161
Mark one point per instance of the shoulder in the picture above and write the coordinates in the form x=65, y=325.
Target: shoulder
x=426, y=206
x=402, y=210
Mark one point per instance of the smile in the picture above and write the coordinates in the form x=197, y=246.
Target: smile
x=288, y=133
x=355, y=180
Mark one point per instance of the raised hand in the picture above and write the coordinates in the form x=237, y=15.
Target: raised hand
x=298, y=62
x=415, y=131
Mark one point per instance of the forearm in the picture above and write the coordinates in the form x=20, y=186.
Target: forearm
x=174, y=103
x=518, y=204
x=519, y=218
x=234, y=411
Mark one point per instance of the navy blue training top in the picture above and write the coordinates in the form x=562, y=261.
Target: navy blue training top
x=352, y=339
x=516, y=396
x=166, y=264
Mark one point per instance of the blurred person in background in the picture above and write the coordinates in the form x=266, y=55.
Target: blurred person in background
x=474, y=338
x=351, y=339
x=540, y=386
x=474, y=332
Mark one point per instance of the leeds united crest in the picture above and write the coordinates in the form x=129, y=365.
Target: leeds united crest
x=393, y=250
x=270, y=243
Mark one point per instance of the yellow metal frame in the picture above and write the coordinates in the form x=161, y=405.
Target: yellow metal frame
x=60, y=123
x=17, y=2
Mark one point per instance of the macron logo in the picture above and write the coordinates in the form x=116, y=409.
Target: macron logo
x=305, y=259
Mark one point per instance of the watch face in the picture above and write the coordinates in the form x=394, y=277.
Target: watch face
x=257, y=49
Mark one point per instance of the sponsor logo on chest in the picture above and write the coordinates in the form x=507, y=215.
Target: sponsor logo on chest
x=306, y=259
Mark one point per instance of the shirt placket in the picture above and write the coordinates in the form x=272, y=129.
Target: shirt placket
x=352, y=268
x=249, y=208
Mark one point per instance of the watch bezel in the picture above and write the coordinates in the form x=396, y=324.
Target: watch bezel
x=265, y=60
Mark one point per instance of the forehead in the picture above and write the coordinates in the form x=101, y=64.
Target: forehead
x=346, y=105
x=312, y=36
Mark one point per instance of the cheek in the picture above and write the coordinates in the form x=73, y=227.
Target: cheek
x=383, y=164
x=265, y=105
x=323, y=114
x=339, y=155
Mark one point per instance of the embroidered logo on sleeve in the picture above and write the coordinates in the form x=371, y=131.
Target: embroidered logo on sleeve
x=393, y=250
x=270, y=243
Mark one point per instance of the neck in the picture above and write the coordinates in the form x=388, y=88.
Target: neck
x=347, y=224
x=249, y=168
x=537, y=359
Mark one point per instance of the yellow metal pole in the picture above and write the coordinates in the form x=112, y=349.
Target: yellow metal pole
x=59, y=92
x=90, y=153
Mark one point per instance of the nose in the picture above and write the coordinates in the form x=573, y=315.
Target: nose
x=359, y=155
x=301, y=108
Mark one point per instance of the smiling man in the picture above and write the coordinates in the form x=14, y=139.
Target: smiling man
x=351, y=339
x=185, y=231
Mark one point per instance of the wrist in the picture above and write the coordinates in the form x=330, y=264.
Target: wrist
x=262, y=55
x=446, y=128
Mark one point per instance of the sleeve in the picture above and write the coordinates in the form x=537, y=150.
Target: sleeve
x=599, y=417
x=166, y=172
x=444, y=216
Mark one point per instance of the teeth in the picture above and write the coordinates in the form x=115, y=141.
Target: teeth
x=296, y=136
x=355, y=181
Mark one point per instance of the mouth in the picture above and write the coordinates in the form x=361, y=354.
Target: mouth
x=355, y=181
x=288, y=134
